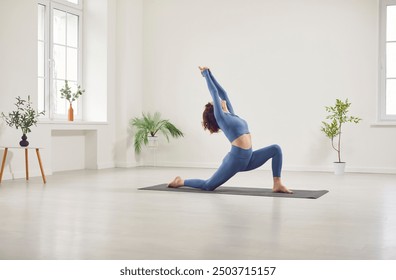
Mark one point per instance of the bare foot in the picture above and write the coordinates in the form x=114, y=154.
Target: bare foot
x=176, y=183
x=279, y=187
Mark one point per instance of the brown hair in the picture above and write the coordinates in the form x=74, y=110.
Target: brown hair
x=209, y=120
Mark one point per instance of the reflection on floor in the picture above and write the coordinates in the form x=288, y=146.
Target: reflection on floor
x=102, y=215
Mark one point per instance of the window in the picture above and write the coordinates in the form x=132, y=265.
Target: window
x=42, y=59
x=387, y=108
x=59, y=55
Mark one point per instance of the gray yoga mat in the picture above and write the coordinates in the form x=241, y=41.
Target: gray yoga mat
x=241, y=191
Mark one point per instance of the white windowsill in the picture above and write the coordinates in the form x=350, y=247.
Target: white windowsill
x=384, y=124
x=72, y=126
x=73, y=123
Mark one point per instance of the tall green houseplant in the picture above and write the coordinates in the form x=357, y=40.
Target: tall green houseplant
x=338, y=117
x=150, y=126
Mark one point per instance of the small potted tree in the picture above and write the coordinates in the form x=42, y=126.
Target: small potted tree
x=148, y=127
x=333, y=130
x=67, y=94
x=22, y=118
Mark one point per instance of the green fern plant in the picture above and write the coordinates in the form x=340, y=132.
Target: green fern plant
x=338, y=116
x=152, y=125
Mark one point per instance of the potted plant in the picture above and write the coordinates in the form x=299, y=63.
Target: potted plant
x=333, y=130
x=23, y=117
x=67, y=94
x=148, y=127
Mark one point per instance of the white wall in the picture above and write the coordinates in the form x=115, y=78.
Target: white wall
x=281, y=63
x=129, y=61
x=18, y=73
x=95, y=60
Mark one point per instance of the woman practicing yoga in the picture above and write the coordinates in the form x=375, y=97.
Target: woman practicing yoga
x=220, y=115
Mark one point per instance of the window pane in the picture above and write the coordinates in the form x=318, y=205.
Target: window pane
x=391, y=23
x=391, y=60
x=41, y=94
x=59, y=27
x=41, y=20
x=59, y=62
x=60, y=103
x=391, y=97
x=72, y=62
x=72, y=30
x=73, y=1
x=41, y=59
x=73, y=86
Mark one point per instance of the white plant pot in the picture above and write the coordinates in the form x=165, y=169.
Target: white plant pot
x=339, y=168
x=153, y=142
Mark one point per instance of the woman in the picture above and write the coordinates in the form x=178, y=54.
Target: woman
x=220, y=115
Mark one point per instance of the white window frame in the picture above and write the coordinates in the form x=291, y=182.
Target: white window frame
x=47, y=99
x=50, y=98
x=382, y=115
x=72, y=5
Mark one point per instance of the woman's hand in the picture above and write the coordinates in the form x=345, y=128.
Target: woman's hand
x=203, y=68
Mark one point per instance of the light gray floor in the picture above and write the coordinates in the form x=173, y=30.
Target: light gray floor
x=102, y=215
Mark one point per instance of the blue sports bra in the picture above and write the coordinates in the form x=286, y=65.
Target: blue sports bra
x=232, y=125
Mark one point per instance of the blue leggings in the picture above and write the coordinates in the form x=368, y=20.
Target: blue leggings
x=238, y=160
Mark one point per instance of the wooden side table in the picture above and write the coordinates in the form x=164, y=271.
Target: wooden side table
x=26, y=161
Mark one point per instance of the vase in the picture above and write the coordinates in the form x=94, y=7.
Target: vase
x=153, y=147
x=24, y=142
x=153, y=142
x=339, y=168
x=70, y=116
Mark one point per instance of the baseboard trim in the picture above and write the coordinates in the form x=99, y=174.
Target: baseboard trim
x=106, y=165
x=327, y=169
x=124, y=164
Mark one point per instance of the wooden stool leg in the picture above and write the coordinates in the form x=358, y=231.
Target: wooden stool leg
x=27, y=164
x=3, y=163
x=41, y=166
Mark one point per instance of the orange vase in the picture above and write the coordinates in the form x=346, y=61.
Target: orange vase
x=71, y=113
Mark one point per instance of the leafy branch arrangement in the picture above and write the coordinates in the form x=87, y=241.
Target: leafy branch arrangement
x=150, y=125
x=23, y=117
x=67, y=94
x=338, y=116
